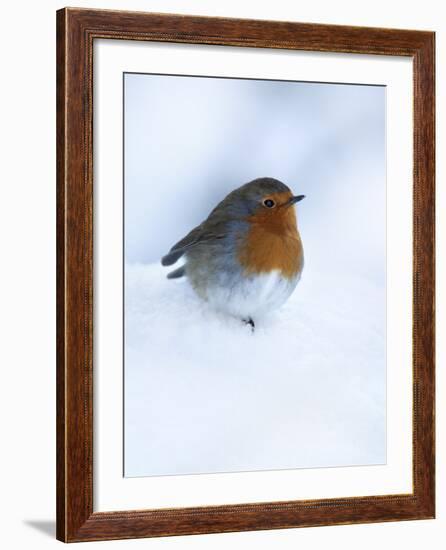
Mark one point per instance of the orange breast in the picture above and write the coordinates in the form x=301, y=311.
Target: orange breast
x=273, y=241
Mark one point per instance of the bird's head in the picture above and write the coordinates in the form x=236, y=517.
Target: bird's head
x=265, y=201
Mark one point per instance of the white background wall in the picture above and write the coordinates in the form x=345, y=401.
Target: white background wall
x=27, y=218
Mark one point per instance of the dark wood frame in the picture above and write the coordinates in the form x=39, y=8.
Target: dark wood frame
x=76, y=31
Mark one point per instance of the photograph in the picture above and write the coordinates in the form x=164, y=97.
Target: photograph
x=245, y=282
x=254, y=274
x=223, y=254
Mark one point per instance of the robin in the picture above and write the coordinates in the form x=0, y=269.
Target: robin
x=246, y=258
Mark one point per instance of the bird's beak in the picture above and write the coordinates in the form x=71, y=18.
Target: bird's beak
x=295, y=199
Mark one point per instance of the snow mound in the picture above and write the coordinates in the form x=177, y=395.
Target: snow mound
x=204, y=394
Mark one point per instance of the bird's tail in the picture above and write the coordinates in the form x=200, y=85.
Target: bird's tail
x=180, y=272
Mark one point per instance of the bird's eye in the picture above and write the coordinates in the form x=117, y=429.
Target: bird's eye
x=269, y=203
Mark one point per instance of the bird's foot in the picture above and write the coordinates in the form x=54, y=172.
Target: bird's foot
x=250, y=322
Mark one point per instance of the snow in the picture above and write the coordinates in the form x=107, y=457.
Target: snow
x=205, y=394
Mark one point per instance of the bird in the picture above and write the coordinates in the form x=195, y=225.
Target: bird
x=246, y=258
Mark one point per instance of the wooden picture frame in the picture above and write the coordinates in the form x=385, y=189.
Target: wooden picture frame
x=76, y=31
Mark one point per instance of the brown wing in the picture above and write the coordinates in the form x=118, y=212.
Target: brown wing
x=213, y=228
x=205, y=232
x=180, y=247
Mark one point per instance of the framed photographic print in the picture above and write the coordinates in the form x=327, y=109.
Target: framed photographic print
x=245, y=275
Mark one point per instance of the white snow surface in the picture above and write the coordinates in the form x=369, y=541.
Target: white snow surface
x=204, y=394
